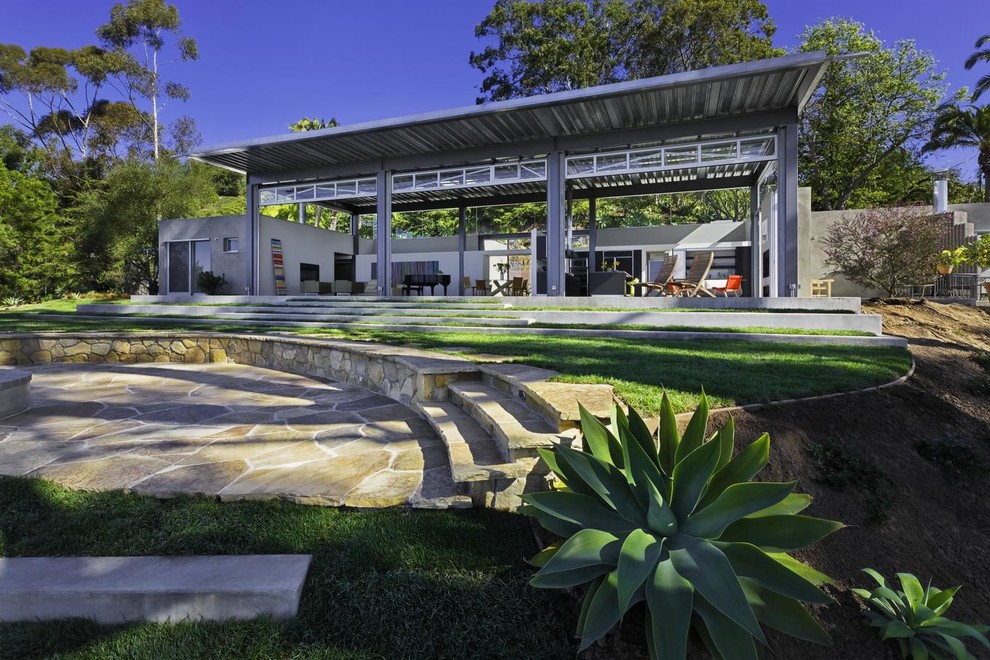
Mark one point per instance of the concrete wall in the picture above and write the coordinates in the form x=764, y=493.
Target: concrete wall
x=674, y=236
x=300, y=244
x=233, y=266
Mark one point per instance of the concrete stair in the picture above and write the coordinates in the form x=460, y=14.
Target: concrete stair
x=113, y=590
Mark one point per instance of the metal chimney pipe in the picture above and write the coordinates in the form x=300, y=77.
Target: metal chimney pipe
x=941, y=196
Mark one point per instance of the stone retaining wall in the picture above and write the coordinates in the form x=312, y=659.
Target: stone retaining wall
x=402, y=374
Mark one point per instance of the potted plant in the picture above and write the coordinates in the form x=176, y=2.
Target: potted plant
x=949, y=259
x=502, y=268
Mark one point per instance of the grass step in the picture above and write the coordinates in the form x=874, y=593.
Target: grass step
x=517, y=429
x=473, y=453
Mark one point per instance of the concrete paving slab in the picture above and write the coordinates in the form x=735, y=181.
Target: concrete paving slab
x=114, y=590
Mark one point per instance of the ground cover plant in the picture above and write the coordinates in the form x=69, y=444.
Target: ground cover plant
x=915, y=619
x=674, y=521
x=733, y=372
x=383, y=584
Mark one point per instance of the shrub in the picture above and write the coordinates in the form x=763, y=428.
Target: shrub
x=12, y=301
x=841, y=468
x=951, y=455
x=676, y=523
x=914, y=617
x=210, y=283
x=885, y=248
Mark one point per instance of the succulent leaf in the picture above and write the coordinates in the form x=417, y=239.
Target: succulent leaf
x=735, y=502
x=637, y=558
x=590, y=551
x=694, y=433
x=579, y=510
x=669, y=597
x=726, y=438
x=740, y=469
x=748, y=561
x=598, y=439
x=659, y=518
x=784, y=533
x=784, y=614
x=646, y=440
x=608, y=482
x=603, y=612
x=793, y=503
x=690, y=479
x=731, y=640
x=668, y=436
x=713, y=578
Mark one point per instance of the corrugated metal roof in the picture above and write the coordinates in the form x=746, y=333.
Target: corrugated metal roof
x=726, y=91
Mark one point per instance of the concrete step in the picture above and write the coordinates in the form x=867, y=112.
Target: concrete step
x=279, y=315
x=114, y=590
x=471, y=449
x=517, y=429
x=557, y=403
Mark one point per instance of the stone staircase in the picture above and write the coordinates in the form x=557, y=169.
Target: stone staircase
x=493, y=426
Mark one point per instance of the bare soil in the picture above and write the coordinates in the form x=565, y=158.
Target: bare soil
x=859, y=456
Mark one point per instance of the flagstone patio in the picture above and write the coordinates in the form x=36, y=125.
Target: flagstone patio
x=234, y=431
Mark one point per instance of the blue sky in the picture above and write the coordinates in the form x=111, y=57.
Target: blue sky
x=265, y=63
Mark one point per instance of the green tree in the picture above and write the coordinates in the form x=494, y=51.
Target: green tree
x=118, y=248
x=556, y=45
x=964, y=127
x=35, y=238
x=136, y=33
x=867, y=122
x=982, y=54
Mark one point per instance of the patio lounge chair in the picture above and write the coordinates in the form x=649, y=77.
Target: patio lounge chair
x=519, y=286
x=693, y=283
x=658, y=287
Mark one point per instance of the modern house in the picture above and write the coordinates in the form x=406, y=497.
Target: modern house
x=725, y=127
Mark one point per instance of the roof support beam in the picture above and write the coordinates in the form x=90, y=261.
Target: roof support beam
x=578, y=193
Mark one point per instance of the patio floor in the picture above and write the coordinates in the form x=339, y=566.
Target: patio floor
x=229, y=430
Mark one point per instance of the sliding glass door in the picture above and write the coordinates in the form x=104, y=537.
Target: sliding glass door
x=186, y=260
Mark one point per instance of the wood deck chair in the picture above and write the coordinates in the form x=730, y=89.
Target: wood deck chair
x=693, y=283
x=658, y=287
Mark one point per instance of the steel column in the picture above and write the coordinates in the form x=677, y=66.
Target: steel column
x=787, y=220
x=756, y=249
x=253, y=239
x=461, y=246
x=592, y=233
x=556, y=207
x=383, y=244
x=355, y=235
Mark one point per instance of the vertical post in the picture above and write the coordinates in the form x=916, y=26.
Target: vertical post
x=355, y=236
x=461, y=246
x=253, y=250
x=756, y=248
x=556, y=205
x=787, y=220
x=383, y=246
x=302, y=213
x=592, y=233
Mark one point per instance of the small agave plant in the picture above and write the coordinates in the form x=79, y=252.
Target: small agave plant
x=914, y=617
x=678, y=524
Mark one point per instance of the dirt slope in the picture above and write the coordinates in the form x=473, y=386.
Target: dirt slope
x=859, y=456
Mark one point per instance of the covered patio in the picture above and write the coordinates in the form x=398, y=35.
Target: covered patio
x=720, y=128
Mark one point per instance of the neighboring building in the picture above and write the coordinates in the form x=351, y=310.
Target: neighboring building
x=726, y=127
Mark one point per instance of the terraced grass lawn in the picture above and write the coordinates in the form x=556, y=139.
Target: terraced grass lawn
x=383, y=584
x=732, y=372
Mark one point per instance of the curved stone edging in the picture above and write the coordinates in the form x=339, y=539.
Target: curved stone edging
x=818, y=397
x=403, y=374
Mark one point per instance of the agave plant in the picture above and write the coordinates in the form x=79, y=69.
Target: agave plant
x=677, y=523
x=12, y=301
x=914, y=617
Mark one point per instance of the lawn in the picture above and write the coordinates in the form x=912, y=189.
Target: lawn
x=383, y=584
x=732, y=372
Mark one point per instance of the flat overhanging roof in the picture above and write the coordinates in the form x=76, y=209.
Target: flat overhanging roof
x=733, y=91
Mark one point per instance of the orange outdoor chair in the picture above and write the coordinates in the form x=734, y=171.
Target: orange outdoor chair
x=733, y=287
